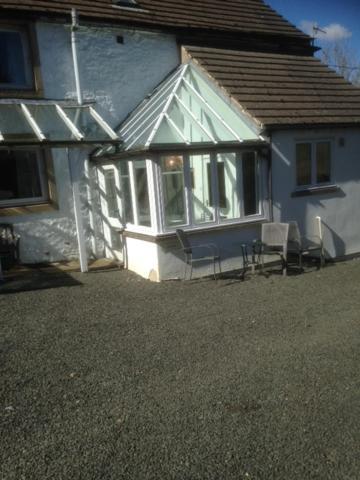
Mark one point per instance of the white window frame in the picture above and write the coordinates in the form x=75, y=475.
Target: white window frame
x=28, y=61
x=314, y=184
x=217, y=222
x=135, y=227
x=43, y=181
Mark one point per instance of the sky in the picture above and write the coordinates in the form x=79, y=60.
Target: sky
x=340, y=19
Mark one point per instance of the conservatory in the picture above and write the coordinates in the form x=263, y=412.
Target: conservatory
x=190, y=159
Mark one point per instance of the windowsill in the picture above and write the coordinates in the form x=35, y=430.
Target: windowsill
x=15, y=93
x=12, y=211
x=158, y=237
x=316, y=190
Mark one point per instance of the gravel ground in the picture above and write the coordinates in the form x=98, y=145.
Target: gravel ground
x=115, y=377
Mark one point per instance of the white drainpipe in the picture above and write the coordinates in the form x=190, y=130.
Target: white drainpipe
x=74, y=28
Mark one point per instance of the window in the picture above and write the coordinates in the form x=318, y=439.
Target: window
x=125, y=190
x=142, y=193
x=172, y=169
x=15, y=59
x=202, y=195
x=22, y=179
x=313, y=163
x=209, y=188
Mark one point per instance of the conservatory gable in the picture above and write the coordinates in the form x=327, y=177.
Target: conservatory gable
x=185, y=109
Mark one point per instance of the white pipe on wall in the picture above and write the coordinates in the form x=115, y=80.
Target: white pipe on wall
x=74, y=28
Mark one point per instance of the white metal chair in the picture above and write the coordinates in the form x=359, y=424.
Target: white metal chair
x=274, y=241
x=306, y=245
x=203, y=253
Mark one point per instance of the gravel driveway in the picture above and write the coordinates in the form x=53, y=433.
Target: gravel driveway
x=114, y=377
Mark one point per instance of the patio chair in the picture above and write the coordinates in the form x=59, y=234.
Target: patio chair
x=308, y=245
x=198, y=253
x=9, y=245
x=274, y=241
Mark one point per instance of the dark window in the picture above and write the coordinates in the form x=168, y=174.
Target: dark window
x=15, y=63
x=303, y=164
x=221, y=184
x=21, y=178
x=250, y=183
x=323, y=161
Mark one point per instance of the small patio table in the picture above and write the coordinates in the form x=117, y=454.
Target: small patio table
x=255, y=256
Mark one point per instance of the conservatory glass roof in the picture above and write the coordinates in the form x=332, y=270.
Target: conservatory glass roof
x=185, y=109
x=52, y=123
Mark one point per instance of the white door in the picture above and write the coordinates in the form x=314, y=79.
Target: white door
x=111, y=209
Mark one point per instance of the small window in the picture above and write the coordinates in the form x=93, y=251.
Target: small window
x=15, y=59
x=250, y=180
x=303, y=164
x=142, y=193
x=323, y=160
x=202, y=198
x=22, y=179
x=125, y=192
x=313, y=163
x=172, y=169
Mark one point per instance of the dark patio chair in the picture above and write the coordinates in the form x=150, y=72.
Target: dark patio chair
x=198, y=253
x=9, y=245
x=306, y=245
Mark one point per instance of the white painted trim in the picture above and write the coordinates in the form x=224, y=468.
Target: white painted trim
x=104, y=125
x=37, y=130
x=167, y=105
x=72, y=127
x=152, y=101
x=196, y=120
x=130, y=134
x=141, y=133
x=209, y=107
x=177, y=129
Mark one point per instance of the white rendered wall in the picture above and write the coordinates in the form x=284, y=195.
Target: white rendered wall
x=116, y=76
x=339, y=210
x=142, y=258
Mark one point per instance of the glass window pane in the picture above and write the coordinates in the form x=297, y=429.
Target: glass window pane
x=201, y=188
x=303, y=164
x=172, y=168
x=323, y=161
x=142, y=193
x=13, y=124
x=111, y=193
x=125, y=193
x=228, y=171
x=86, y=123
x=50, y=123
x=14, y=61
x=250, y=190
x=20, y=175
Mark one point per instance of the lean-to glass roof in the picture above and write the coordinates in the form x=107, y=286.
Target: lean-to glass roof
x=185, y=109
x=53, y=124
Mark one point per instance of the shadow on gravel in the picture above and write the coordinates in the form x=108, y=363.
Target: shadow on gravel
x=36, y=279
